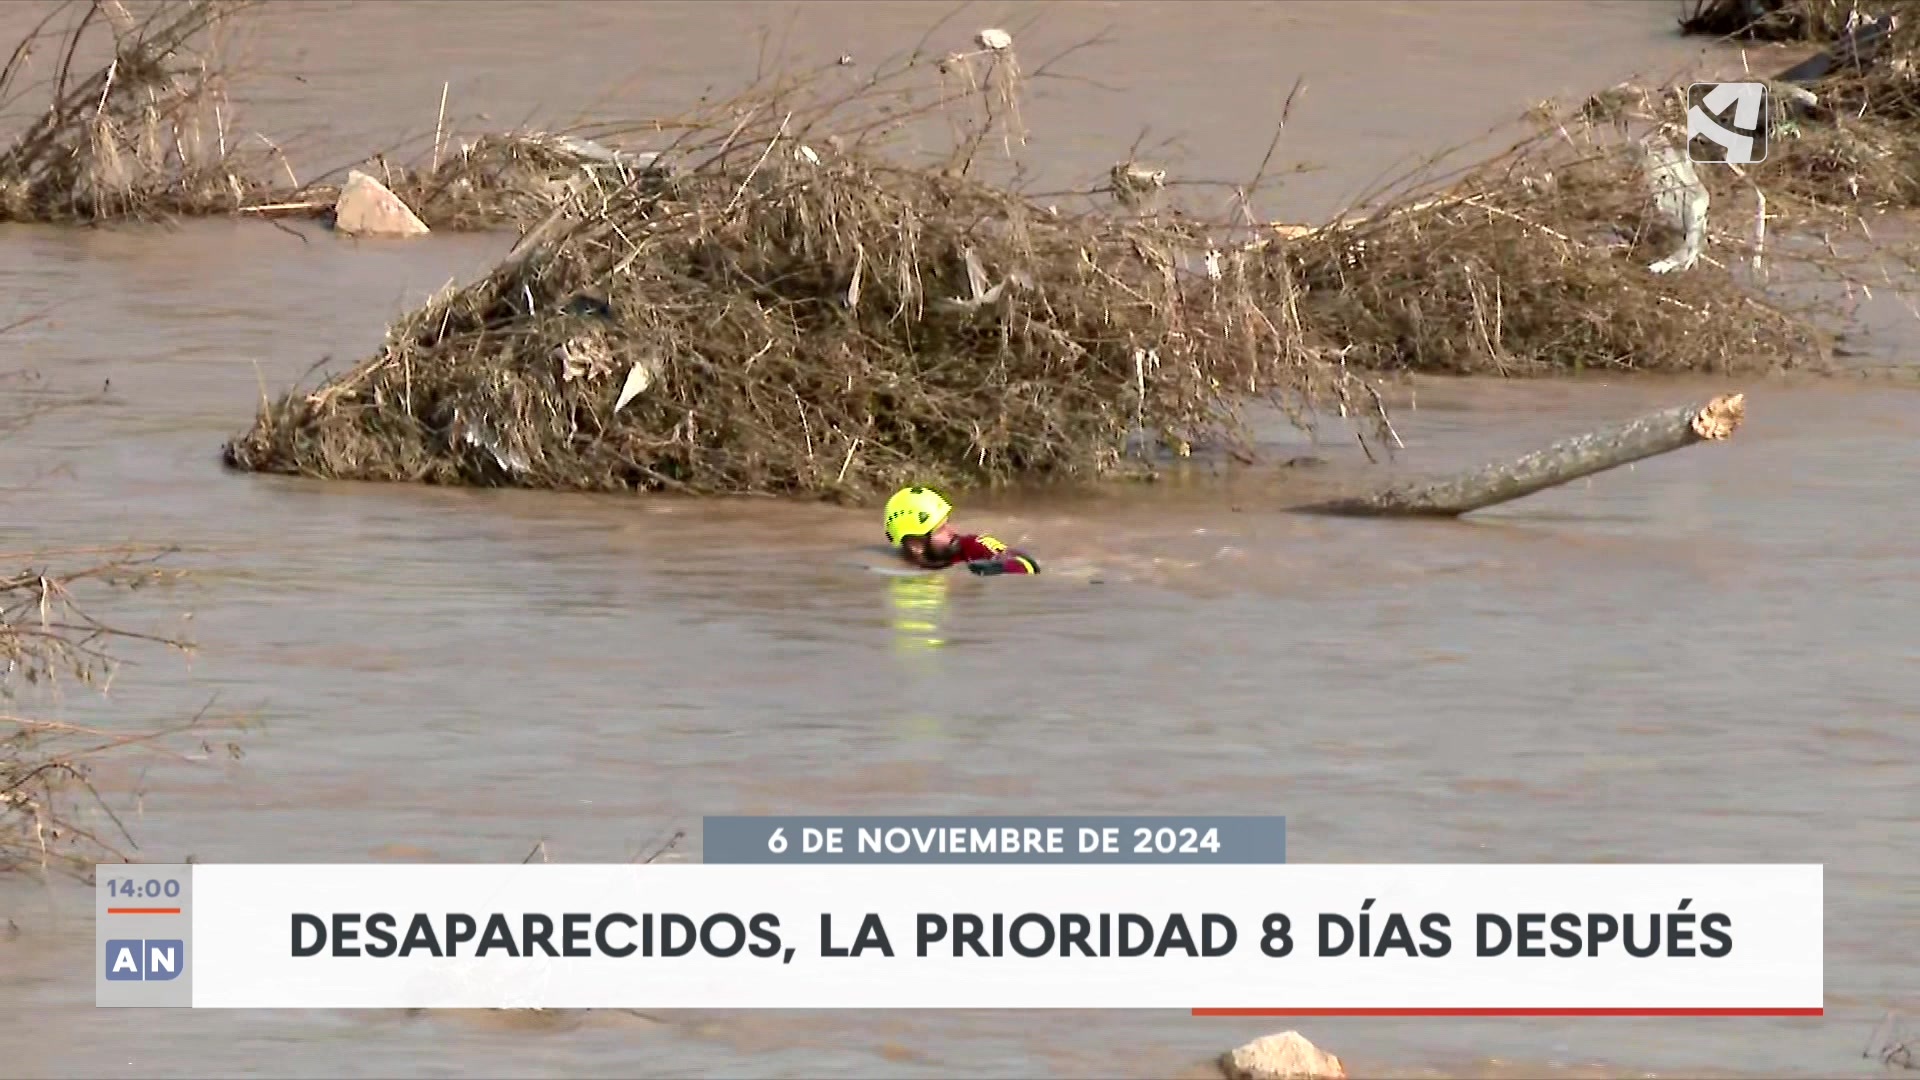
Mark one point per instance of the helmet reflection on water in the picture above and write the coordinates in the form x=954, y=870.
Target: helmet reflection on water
x=919, y=607
x=919, y=603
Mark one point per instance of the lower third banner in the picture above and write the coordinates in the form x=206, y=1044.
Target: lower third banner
x=1275, y=939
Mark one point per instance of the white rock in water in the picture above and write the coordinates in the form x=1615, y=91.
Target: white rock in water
x=1286, y=1056
x=997, y=40
x=367, y=208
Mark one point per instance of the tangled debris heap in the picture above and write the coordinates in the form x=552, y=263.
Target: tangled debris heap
x=146, y=134
x=1844, y=124
x=768, y=313
x=1778, y=20
x=150, y=133
x=514, y=179
x=775, y=307
x=1583, y=247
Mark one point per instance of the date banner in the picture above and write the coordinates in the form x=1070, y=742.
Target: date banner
x=1027, y=840
x=1252, y=936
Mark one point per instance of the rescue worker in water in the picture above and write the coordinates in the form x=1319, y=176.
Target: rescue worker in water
x=918, y=529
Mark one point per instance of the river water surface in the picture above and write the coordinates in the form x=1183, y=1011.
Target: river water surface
x=1709, y=657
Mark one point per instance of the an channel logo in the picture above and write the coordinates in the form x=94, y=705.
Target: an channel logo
x=148, y=960
x=1744, y=142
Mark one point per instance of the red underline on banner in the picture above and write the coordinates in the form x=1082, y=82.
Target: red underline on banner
x=1510, y=1012
x=143, y=911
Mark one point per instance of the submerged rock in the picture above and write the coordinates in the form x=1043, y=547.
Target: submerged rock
x=1286, y=1056
x=367, y=208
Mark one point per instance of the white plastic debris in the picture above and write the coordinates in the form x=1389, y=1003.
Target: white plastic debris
x=997, y=40
x=806, y=154
x=637, y=382
x=977, y=285
x=1678, y=196
x=1213, y=265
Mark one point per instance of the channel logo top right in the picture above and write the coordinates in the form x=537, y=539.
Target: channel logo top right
x=1727, y=122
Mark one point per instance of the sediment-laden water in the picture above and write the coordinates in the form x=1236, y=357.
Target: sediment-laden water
x=1708, y=657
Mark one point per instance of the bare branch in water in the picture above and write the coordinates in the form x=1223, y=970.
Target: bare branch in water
x=50, y=638
x=1565, y=461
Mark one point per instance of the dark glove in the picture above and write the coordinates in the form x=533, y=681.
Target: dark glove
x=987, y=567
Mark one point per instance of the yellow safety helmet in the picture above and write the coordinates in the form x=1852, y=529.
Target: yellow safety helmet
x=915, y=511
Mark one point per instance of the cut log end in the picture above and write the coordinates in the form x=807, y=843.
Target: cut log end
x=1566, y=460
x=1719, y=418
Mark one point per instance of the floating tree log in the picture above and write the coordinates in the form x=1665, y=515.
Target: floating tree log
x=1568, y=459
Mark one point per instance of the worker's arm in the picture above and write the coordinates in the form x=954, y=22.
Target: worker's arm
x=986, y=556
x=1005, y=564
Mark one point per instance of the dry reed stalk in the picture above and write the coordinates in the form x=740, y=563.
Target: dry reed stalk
x=49, y=638
x=148, y=133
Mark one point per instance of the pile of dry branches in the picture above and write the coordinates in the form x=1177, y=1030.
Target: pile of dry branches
x=1587, y=246
x=1844, y=124
x=780, y=308
x=149, y=132
x=775, y=306
x=1849, y=135
x=1595, y=243
x=508, y=179
x=1778, y=20
x=146, y=134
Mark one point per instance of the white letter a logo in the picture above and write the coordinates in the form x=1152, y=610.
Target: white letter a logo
x=125, y=962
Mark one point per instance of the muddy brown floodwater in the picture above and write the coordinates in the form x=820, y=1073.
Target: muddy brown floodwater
x=1709, y=657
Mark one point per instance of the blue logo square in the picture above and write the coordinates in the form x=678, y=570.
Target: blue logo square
x=151, y=960
x=123, y=960
x=166, y=958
